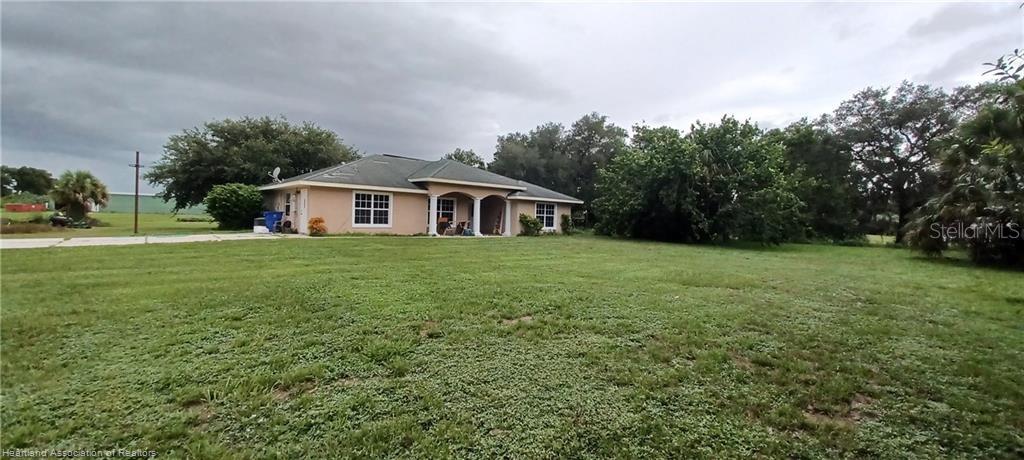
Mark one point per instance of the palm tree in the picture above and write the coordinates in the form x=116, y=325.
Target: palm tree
x=75, y=190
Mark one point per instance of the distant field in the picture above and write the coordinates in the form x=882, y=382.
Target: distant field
x=117, y=224
x=510, y=347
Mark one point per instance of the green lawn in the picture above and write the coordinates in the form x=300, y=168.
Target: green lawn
x=517, y=347
x=117, y=224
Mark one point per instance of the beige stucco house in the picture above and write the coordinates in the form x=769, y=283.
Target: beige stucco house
x=407, y=196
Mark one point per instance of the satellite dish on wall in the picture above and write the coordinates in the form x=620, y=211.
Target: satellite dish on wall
x=274, y=174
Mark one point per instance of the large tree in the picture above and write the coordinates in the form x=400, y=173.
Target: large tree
x=242, y=151
x=534, y=157
x=466, y=156
x=980, y=201
x=563, y=160
x=892, y=137
x=721, y=182
x=25, y=179
x=74, y=191
x=589, y=144
x=824, y=173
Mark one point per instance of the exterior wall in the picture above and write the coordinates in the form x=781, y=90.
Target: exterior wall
x=275, y=200
x=408, y=211
x=530, y=208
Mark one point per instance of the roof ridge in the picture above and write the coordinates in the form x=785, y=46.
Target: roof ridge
x=392, y=155
x=445, y=162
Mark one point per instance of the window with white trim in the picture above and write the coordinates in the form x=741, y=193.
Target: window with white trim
x=446, y=208
x=371, y=209
x=546, y=215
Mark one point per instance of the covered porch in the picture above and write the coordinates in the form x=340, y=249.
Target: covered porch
x=459, y=213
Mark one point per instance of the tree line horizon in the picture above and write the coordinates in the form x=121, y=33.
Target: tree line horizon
x=891, y=160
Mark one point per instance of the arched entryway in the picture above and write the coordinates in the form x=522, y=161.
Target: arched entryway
x=493, y=220
x=454, y=213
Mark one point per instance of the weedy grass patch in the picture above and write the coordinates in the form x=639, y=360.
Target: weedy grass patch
x=517, y=347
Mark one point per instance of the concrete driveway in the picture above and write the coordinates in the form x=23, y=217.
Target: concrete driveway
x=29, y=243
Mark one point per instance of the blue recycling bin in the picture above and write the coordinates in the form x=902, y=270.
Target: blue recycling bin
x=272, y=218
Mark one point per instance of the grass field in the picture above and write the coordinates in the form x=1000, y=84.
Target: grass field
x=517, y=347
x=116, y=224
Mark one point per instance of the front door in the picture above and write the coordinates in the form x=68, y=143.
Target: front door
x=303, y=218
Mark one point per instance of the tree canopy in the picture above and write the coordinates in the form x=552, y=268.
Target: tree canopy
x=891, y=135
x=980, y=198
x=24, y=179
x=466, y=156
x=563, y=160
x=242, y=151
x=718, y=183
x=823, y=172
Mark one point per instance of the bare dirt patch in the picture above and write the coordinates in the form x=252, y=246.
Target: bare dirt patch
x=430, y=329
x=860, y=407
x=284, y=394
x=513, y=321
x=857, y=410
x=743, y=362
x=818, y=417
x=281, y=394
x=204, y=413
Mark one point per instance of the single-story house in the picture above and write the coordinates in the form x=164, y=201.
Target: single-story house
x=407, y=196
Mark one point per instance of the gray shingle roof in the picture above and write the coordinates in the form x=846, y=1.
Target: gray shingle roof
x=537, y=191
x=408, y=173
x=375, y=170
x=453, y=170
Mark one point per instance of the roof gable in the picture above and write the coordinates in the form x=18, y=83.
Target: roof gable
x=445, y=170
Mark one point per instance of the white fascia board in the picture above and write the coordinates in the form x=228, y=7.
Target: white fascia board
x=548, y=200
x=305, y=183
x=462, y=182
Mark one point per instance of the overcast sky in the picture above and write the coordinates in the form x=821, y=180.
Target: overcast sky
x=85, y=85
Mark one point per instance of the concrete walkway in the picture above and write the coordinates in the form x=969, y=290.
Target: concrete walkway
x=28, y=243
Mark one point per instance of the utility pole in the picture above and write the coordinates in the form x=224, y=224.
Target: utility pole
x=137, y=165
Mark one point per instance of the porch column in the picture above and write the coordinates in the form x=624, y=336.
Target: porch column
x=476, y=217
x=508, y=219
x=432, y=218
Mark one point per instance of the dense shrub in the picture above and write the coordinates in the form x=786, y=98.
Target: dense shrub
x=568, y=226
x=317, y=226
x=529, y=225
x=194, y=219
x=716, y=184
x=24, y=197
x=234, y=206
x=11, y=228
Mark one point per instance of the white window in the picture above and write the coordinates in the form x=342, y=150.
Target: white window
x=371, y=209
x=446, y=208
x=287, y=205
x=546, y=215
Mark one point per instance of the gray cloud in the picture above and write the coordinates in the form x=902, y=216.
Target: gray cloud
x=962, y=17
x=967, y=62
x=84, y=85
